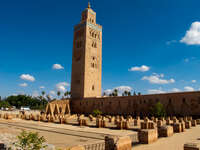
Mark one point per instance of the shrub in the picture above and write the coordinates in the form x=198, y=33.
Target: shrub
x=30, y=141
x=96, y=112
x=158, y=110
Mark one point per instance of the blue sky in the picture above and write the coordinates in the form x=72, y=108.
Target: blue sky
x=148, y=46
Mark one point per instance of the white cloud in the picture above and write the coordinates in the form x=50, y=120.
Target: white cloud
x=186, y=60
x=42, y=87
x=155, y=91
x=120, y=90
x=175, y=90
x=20, y=93
x=171, y=42
x=57, y=67
x=188, y=88
x=52, y=92
x=143, y=68
x=192, y=36
x=62, y=86
x=193, y=81
x=35, y=94
x=157, y=79
x=27, y=77
x=161, y=75
x=23, y=84
x=160, y=90
x=108, y=91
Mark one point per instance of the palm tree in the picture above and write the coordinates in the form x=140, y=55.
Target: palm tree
x=69, y=94
x=125, y=93
x=43, y=93
x=66, y=94
x=58, y=93
x=115, y=92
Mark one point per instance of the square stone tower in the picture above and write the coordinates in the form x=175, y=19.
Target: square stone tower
x=87, y=57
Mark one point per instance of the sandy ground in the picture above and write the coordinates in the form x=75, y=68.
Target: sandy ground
x=60, y=135
x=63, y=136
x=174, y=142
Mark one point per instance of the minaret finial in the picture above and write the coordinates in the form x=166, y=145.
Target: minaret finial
x=89, y=6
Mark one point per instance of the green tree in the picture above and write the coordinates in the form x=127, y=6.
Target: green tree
x=58, y=93
x=23, y=100
x=30, y=141
x=66, y=94
x=124, y=93
x=4, y=104
x=115, y=92
x=70, y=94
x=158, y=110
x=43, y=93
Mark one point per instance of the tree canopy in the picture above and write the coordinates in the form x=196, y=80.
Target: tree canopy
x=158, y=110
x=24, y=100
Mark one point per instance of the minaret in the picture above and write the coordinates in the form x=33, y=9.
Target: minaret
x=87, y=57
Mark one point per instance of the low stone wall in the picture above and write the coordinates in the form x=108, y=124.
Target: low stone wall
x=148, y=129
x=165, y=131
x=193, y=145
x=118, y=143
x=148, y=136
x=177, y=104
x=95, y=146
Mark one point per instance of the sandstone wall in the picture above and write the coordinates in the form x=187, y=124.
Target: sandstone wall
x=186, y=103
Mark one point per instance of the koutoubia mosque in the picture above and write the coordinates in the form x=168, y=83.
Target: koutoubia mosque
x=87, y=75
x=87, y=57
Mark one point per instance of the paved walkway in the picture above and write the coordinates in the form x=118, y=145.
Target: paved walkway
x=61, y=135
x=174, y=142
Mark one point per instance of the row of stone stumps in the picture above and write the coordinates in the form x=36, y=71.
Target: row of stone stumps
x=195, y=144
x=111, y=142
x=149, y=130
x=164, y=127
x=2, y=146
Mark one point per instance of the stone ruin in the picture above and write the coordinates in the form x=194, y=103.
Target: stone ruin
x=149, y=129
